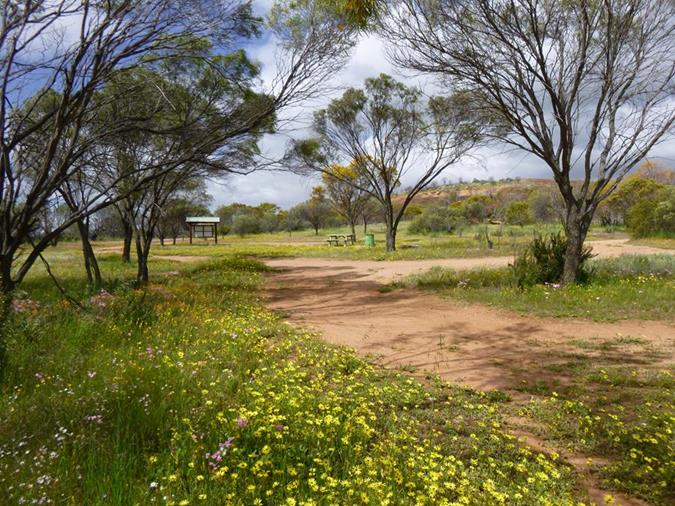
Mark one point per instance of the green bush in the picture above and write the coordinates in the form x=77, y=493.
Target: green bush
x=653, y=214
x=245, y=224
x=543, y=261
x=518, y=213
x=436, y=220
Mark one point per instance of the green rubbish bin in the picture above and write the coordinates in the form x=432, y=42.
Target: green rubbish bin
x=370, y=240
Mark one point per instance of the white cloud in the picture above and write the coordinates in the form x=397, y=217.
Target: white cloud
x=369, y=60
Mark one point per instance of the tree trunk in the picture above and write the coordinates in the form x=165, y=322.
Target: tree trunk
x=90, y=262
x=316, y=230
x=391, y=239
x=142, y=253
x=576, y=229
x=365, y=225
x=391, y=225
x=174, y=240
x=6, y=288
x=161, y=240
x=352, y=224
x=128, y=238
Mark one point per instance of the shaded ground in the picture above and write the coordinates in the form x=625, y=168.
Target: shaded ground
x=470, y=344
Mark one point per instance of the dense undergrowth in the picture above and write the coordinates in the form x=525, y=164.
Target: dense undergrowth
x=190, y=392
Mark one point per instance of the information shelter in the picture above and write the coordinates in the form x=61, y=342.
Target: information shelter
x=203, y=227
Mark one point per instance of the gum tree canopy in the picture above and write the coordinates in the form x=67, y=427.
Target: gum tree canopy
x=586, y=86
x=388, y=132
x=68, y=51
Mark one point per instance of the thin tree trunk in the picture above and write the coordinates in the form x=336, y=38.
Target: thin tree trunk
x=90, y=262
x=352, y=224
x=365, y=225
x=142, y=253
x=128, y=238
x=391, y=228
x=391, y=239
x=576, y=229
x=5, y=313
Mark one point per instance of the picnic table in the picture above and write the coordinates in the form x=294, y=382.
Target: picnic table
x=341, y=239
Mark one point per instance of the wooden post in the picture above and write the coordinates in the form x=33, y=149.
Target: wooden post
x=190, y=229
x=215, y=232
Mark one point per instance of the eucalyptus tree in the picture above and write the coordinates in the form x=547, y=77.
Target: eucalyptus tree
x=316, y=210
x=190, y=201
x=388, y=132
x=73, y=48
x=69, y=49
x=585, y=86
x=203, y=122
x=343, y=184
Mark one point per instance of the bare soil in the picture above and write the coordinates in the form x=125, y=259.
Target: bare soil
x=479, y=346
x=388, y=271
x=470, y=344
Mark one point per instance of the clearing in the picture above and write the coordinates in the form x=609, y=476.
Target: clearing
x=471, y=344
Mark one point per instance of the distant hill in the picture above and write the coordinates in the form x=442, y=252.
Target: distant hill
x=464, y=190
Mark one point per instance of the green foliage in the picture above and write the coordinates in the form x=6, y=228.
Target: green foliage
x=430, y=220
x=630, y=286
x=245, y=224
x=544, y=259
x=242, y=219
x=192, y=393
x=518, y=213
x=631, y=191
x=476, y=209
x=653, y=214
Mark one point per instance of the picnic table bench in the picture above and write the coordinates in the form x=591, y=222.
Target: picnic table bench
x=336, y=239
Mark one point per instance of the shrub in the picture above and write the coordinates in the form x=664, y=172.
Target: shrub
x=653, y=214
x=436, y=220
x=518, y=213
x=245, y=224
x=543, y=261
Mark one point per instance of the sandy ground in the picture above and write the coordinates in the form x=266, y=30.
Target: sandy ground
x=471, y=344
x=468, y=344
x=385, y=272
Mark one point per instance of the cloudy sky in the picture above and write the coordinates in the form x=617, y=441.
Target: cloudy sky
x=368, y=59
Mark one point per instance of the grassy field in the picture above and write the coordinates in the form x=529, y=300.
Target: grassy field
x=656, y=242
x=640, y=287
x=469, y=242
x=190, y=392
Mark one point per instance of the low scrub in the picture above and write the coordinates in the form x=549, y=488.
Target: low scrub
x=631, y=286
x=543, y=261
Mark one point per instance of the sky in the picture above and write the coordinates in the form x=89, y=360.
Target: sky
x=368, y=59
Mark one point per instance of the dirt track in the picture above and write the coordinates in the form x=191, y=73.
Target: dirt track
x=385, y=272
x=469, y=344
